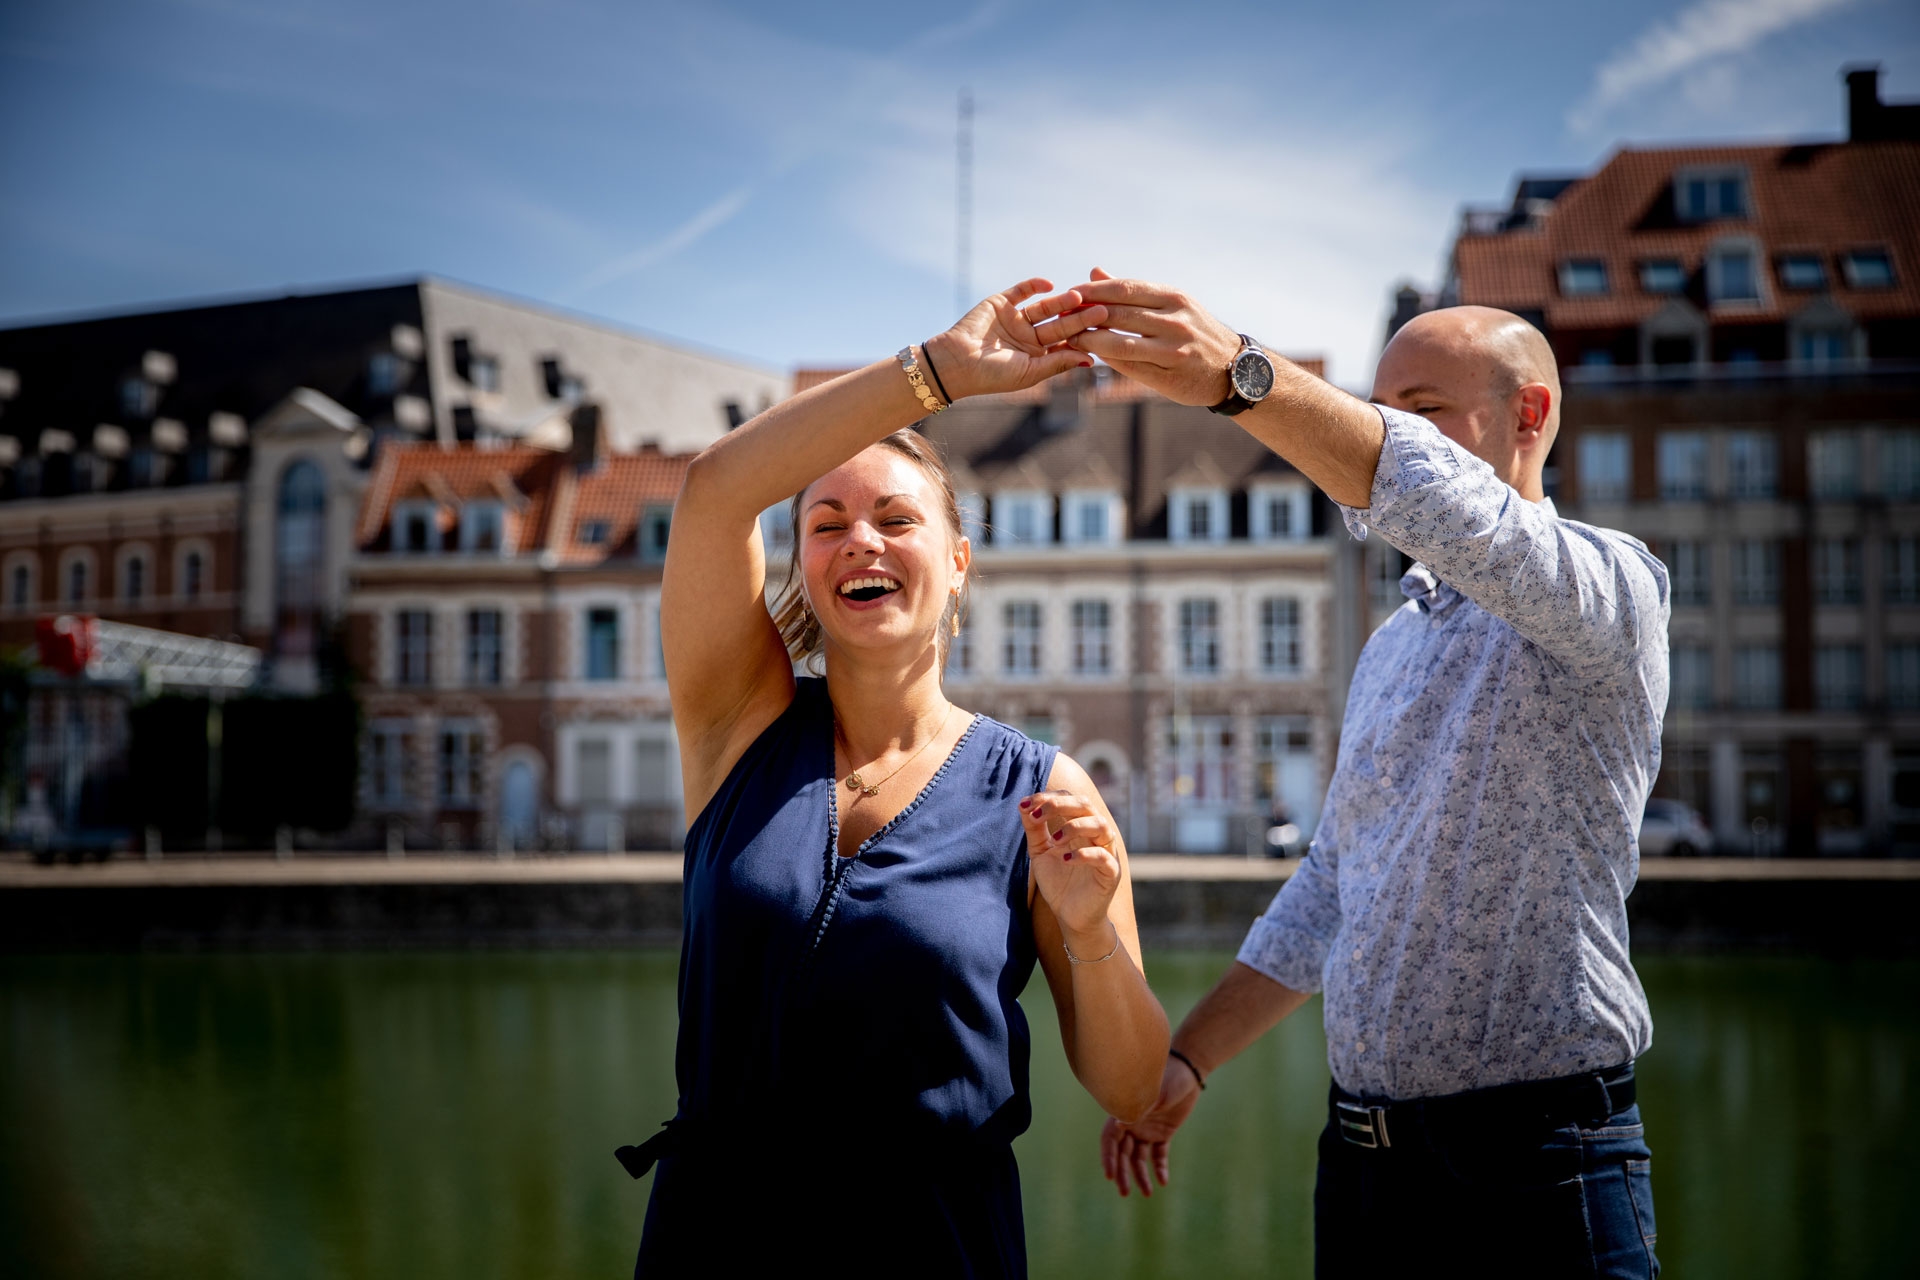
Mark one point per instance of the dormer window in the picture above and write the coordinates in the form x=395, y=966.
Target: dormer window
x=1279, y=513
x=1091, y=518
x=1802, y=271
x=1023, y=519
x=1733, y=274
x=1197, y=515
x=1583, y=277
x=1867, y=268
x=973, y=518
x=385, y=372
x=594, y=533
x=1704, y=194
x=656, y=523
x=1663, y=276
x=416, y=528
x=483, y=527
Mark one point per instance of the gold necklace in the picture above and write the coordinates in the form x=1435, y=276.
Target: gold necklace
x=857, y=783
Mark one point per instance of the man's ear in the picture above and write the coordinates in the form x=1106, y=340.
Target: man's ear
x=1533, y=405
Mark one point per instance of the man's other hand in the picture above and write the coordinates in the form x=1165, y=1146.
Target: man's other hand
x=1158, y=337
x=1129, y=1151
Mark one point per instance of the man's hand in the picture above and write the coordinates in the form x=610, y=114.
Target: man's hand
x=1158, y=337
x=1130, y=1150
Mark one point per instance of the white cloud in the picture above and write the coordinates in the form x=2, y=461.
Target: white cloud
x=1711, y=29
x=1287, y=234
x=681, y=237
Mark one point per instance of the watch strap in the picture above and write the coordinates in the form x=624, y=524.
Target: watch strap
x=1235, y=403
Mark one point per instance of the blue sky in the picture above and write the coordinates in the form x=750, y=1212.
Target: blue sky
x=777, y=180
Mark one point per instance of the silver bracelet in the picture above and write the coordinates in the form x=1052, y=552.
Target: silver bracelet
x=1074, y=959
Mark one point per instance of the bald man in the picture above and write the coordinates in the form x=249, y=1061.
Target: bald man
x=1463, y=905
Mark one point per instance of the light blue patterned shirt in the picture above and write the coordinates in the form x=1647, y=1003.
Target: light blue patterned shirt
x=1463, y=905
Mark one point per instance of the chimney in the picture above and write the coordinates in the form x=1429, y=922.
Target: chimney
x=589, y=444
x=1871, y=120
x=1067, y=396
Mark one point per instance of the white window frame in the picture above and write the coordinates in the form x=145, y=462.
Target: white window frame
x=469, y=528
x=1281, y=645
x=1033, y=645
x=69, y=557
x=1298, y=501
x=1747, y=479
x=401, y=648
x=1180, y=521
x=1713, y=175
x=1083, y=640
x=1756, y=572
x=1717, y=255
x=621, y=628
x=389, y=764
x=1074, y=501
x=1679, y=451
x=1038, y=503
x=1590, y=446
x=1191, y=634
x=403, y=514
x=1575, y=283
x=1834, y=465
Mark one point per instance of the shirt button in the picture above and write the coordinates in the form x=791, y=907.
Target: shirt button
x=1374, y=869
x=1359, y=1046
x=1356, y=953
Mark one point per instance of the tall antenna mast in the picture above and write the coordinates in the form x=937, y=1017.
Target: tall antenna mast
x=963, y=205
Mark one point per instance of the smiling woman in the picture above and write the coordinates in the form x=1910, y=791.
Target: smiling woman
x=872, y=873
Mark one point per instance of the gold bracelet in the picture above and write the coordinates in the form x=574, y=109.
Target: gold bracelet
x=911, y=368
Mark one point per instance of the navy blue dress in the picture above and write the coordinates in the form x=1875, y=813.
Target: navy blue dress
x=852, y=1059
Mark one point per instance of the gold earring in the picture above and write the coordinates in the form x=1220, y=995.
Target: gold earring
x=956, y=624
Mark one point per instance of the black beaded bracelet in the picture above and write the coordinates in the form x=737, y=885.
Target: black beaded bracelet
x=926, y=358
x=1197, y=1077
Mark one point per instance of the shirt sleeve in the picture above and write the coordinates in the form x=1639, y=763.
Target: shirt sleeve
x=1595, y=599
x=1290, y=942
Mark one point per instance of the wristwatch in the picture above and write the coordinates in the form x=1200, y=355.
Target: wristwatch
x=1249, y=379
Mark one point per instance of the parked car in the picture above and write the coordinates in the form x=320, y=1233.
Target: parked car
x=1673, y=829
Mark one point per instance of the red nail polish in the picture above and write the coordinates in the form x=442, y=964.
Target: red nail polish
x=1067, y=856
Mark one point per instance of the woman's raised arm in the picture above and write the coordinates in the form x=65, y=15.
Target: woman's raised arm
x=727, y=670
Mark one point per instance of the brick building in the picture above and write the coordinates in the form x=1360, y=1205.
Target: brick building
x=1738, y=332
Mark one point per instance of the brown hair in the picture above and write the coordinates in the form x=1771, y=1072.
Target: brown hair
x=799, y=629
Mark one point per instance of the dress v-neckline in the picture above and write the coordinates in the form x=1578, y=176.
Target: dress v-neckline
x=838, y=859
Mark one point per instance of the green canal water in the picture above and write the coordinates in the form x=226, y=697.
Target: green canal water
x=428, y=1116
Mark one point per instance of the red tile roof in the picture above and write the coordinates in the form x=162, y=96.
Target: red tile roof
x=1824, y=198
x=542, y=491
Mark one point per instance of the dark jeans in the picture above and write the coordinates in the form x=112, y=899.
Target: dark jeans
x=1488, y=1196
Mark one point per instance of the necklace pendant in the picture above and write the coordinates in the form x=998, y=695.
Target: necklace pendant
x=870, y=791
x=856, y=782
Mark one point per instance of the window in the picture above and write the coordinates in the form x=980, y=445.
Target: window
x=1802, y=271
x=1663, y=276
x=1283, y=769
x=1732, y=275
x=1386, y=567
x=1903, y=676
x=1201, y=757
x=656, y=525
x=20, y=587
x=1833, y=464
x=463, y=755
x=389, y=743
x=603, y=644
x=1838, y=784
x=1280, y=636
x=1200, y=637
x=561, y=385
x=1821, y=346
x=483, y=646
x=961, y=659
x=1756, y=571
x=1092, y=637
x=1836, y=570
x=1040, y=726
x=594, y=533
x=1689, y=572
x=1692, y=668
x=76, y=580
x=193, y=572
x=1900, y=465
x=1670, y=349
x=1867, y=268
x=1091, y=519
x=1021, y=641
x=1197, y=516
x=1837, y=677
x=1023, y=519
x=1756, y=677
x=1280, y=515
x=1583, y=277
x=482, y=527
x=1606, y=467
x=1596, y=358
x=973, y=518
x=416, y=527
x=1750, y=465
x=593, y=771
x=384, y=373
x=1903, y=570
x=1702, y=194
x=414, y=647
x=776, y=530
x=133, y=572
x=1683, y=466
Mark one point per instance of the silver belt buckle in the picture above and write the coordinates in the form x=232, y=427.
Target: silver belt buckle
x=1363, y=1126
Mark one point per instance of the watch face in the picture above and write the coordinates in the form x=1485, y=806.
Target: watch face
x=1253, y=375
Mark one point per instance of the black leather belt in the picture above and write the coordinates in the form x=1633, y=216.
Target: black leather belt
x=1586, y=1099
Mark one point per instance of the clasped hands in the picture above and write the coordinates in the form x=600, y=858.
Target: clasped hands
x=1157, y=336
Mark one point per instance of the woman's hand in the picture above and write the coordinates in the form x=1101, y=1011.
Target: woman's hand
x=1002, y=345
x=1070, y=843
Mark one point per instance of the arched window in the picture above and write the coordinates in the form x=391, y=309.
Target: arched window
x=76, y=580
x=20, y=587
x=193, y=571
x=299, y=556
x=134, y=582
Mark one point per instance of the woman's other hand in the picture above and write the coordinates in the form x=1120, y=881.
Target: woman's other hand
x=1070, y=843
x=1008, y=343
